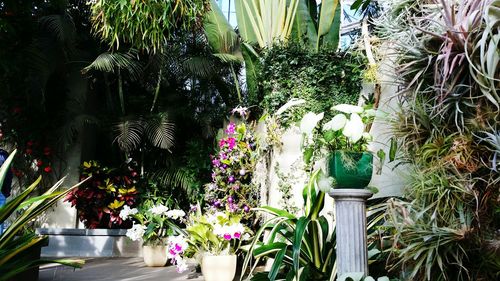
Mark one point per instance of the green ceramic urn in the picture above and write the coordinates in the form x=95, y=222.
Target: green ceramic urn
x=351, y=169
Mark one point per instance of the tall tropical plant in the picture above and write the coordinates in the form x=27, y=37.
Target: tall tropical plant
x=317, y=29
x=265, y=22
x=16, y=243
x=223, y=40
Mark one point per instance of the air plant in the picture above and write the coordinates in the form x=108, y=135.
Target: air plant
x=447, y=63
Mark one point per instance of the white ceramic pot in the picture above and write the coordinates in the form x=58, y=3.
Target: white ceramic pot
x=218, y=268
x=155, y=255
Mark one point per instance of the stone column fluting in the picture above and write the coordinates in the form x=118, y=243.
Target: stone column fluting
x=350, y=218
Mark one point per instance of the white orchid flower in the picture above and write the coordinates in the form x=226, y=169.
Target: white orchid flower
x=367, y=136
x=348, y=108
x=325, y=183
x=309, y=122
x=290, y=103
x=354, y=128
x=337, y=123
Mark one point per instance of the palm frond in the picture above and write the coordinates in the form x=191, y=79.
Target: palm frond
x=61, y=26
x=160, y=131
x=199, y=66
x=74, y=126
x=177, y=177
x=111, y=62
x=128, y=134
x=228, y=58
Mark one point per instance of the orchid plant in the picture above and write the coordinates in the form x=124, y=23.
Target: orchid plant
x=154, y=222
x=217, y=233
x=231, y=188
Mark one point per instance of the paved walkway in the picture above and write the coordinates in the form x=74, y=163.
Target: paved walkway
x=116, y=269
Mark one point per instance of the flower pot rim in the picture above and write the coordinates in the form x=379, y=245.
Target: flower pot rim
x=212, y=255
x=351, y=151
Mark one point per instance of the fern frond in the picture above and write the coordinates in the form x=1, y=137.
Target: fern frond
x=160, y=131
x=128, y=134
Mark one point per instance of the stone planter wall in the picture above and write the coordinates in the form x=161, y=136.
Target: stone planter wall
x=70, y=242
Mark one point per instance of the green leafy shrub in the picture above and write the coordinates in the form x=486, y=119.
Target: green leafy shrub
x=322, y=79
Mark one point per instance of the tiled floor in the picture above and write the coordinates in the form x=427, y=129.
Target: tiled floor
x=116, y=269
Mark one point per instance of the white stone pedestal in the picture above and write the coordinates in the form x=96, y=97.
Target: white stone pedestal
x=350, y=216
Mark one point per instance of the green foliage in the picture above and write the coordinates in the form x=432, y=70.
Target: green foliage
x=266, y=22
x=215, y=234
x=317, y=26
x=323, y=79
x=16, y=244
x=221, y=36
x=302, y=247
x=145, y=25
x=446, y=229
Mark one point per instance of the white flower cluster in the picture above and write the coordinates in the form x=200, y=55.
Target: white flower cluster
x=136, y=232
x=353, y=128
x=228, y=232
x=176, y=245
x=159, y=209
x=175, y=214
x=126, y=212
x=214, y=218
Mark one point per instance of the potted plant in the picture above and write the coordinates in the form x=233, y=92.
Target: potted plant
x=155, y=223
x=100, y=199
x=19, y=245
x=213, y=240
x=346, y=137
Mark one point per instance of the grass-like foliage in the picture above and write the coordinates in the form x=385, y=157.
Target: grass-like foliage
x=145, y=25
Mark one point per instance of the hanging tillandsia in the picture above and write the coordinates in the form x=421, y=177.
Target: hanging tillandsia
x=146, y=24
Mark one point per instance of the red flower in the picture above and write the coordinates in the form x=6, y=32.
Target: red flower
x=17, y=172
x=47, y=151
x=48, y=169
x=29, y=151
x=29, y=143
x=39, y=163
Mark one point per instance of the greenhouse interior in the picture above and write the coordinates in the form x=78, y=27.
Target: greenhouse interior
x=250, y=140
